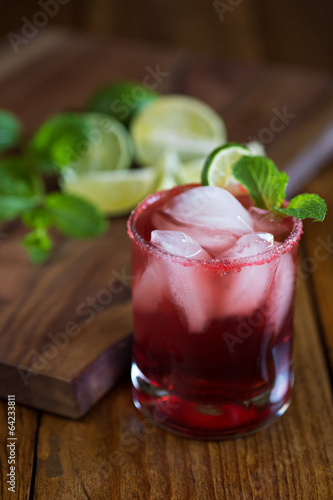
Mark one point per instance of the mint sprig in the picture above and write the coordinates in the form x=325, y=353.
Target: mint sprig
x=267, y=187
x=72, y=216
x=23, y=194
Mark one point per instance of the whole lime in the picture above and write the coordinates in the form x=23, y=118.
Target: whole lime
x=121, y=100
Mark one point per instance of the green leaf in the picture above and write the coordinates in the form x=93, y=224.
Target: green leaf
x=38, y=245
x=305, y=205
x=75, y=217
x=13, y=206
x=265, y=184
x=19, y=189
x=38, y=218
x=10, y=130
x=17, y=179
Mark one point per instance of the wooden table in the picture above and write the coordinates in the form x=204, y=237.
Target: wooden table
x=112, y=452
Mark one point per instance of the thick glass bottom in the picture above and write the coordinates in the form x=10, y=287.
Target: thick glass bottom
x=207, y=421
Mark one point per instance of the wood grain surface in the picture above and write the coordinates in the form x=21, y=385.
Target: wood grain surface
x=292, y=459
x=66, y=326
x=112, y=452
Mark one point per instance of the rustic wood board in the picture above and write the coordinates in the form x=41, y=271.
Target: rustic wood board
x=68, y=373
x=66, y=324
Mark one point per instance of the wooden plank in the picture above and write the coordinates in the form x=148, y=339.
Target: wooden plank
x=26, y=425
x=66, y=325
x=132, y=458
x=12, y=62
x=318, y=268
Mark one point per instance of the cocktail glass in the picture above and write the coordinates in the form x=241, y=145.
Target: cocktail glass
x=212, y=355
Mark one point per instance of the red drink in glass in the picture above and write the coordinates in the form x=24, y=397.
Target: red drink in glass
x=213, y=320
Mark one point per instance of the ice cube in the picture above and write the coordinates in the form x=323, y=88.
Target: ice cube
x=178, y=243
x=187, y=288
x=147, y=289
x=212, y=207
x=282, y=291
x=250, y=244
x=191, y=292
x=244, y=291
x=215, y=242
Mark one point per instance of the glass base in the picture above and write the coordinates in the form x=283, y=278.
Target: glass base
x=206, y=421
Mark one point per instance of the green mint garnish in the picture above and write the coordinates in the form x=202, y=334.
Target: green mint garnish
x=22, y=194
x=74, y=217
x=267, y=187
x=305, y=205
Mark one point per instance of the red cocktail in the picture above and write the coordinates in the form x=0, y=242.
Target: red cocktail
x=213, y=292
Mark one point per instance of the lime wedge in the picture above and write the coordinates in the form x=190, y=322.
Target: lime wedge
x=115, y=192
x=121, y=100
x=83, y=142
x=177, y=122
x=217, y=169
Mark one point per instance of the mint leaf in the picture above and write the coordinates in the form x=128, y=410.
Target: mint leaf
x=75, y=217
x=305, y=205
x=19, y=190
x=267, y=187
x=265, y=183
x=38, y=218
x=13, y=206
x=38, y=245
x=10, y=130
x=17, y=179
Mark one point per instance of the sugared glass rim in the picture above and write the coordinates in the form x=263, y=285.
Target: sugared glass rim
x=214, y=264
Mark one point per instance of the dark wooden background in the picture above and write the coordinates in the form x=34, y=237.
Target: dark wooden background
x=294, y=32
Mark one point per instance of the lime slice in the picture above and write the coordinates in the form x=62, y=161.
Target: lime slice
x=83, y=142
x=217, y=170
x=121, y=100
x=115, y=192
x=177, y=122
